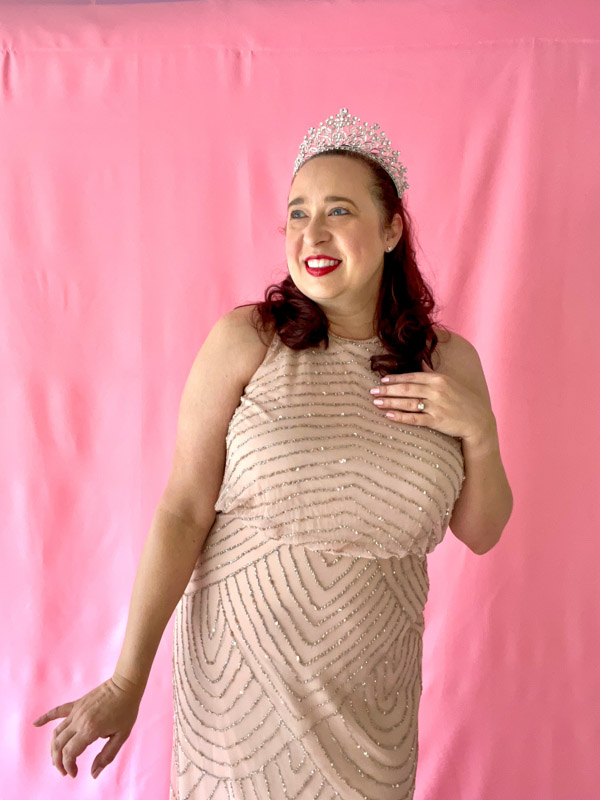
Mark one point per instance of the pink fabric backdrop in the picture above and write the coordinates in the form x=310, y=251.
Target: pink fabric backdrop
x=146, y=152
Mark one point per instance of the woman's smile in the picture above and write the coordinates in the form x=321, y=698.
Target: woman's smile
x=320, y=271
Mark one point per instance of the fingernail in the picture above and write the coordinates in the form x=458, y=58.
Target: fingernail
x=97, y=772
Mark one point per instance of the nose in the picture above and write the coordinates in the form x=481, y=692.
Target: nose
x=316, y=230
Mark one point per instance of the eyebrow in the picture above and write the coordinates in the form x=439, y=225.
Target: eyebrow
x=329, y=199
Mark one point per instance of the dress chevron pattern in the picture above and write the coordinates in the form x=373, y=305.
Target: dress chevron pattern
x=297, y=644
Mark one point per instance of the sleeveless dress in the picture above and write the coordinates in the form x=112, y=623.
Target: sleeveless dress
x=297, y=643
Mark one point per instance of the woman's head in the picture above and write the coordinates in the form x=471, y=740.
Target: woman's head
x=336, y=209
x=394, y=293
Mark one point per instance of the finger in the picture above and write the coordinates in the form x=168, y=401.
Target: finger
x=56, y=748
x=409, y=377
x=408, y=419
x=71, y=750
x=107, y=754
x=402, y=404
x=61, y=727
x=406, y=395
x=59, y=711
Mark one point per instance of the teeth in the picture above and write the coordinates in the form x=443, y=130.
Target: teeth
x=321, y=262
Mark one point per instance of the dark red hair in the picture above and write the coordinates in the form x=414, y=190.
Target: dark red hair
x=405, y=304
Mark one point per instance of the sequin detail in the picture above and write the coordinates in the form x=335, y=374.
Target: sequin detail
x=297, y=643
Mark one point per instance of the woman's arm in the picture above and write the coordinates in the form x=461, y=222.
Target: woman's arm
x=181, y=523
x=185, y=513
x=485, y=502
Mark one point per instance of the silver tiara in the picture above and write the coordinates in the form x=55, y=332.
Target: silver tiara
x=345, y=132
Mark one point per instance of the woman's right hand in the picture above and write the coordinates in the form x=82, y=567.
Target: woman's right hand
x=107, y=712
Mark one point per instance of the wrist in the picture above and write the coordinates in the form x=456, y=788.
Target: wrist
x=135, y=687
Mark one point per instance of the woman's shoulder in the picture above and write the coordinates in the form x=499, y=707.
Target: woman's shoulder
x=449, y=339
x=250, y=346
x=451, y=345
x=243, y=318
x=456, y=356
x=453, y=341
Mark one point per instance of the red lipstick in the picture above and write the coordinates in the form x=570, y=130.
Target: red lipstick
x=318, y=271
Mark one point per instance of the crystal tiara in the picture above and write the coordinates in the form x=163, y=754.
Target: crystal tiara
x=345, y=132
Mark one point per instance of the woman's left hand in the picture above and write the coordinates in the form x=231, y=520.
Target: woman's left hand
x=450, y=406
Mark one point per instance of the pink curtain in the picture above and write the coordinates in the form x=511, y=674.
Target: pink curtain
x=146, y=152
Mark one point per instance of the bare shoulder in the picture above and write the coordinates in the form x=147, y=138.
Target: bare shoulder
x=452, y=349
x=454, y=355
x=249, y=345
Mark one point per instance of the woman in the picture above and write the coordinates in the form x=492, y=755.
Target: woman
x=304, y=496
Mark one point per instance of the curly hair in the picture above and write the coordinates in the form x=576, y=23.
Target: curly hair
x=405, y=303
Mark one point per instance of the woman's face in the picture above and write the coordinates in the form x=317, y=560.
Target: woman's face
x=346, y=229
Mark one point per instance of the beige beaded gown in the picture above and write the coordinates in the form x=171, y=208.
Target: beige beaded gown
x=297, y=643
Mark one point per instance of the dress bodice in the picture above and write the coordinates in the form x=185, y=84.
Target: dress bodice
x=311, y=460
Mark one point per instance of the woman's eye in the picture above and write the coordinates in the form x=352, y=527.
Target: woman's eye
x=337, y=208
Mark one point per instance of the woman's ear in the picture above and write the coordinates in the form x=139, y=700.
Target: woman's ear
x=397, y=226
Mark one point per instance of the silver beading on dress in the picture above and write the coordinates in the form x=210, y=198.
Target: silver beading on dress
x=346, y=132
